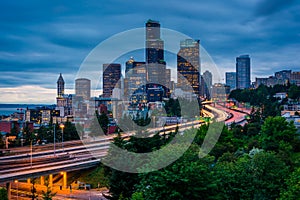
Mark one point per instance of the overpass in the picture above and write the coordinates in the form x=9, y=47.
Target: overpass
x=74, y=156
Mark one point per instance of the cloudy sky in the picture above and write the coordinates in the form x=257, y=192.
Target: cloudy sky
x=40, y=39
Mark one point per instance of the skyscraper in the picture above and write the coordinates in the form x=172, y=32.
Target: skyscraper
x=188, y=65
x=243, y=72
x=154, y=44
x=231, y=80
x=206, y=84
x=60, y=86
x=111, y=76
x=135, y=77
x=129, y=65
x=157, y=73
x=83, y=88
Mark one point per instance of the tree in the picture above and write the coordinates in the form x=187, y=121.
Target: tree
x=123, y=183
x=48, y=195
x=2, y=142
x=3, y=194
x=45, y=133
x=14, y=131
x=294, y=92
x=103, y=121
x=137, y=196
x=33, y=190
x=99, y=121
x=29, y=136
x=70, y=132
x=260, y=177
x=293, y=186
x=274, y=130
x=187, y=178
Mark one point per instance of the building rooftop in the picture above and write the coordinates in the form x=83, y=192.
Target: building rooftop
x=244, y=56
x=152, y=21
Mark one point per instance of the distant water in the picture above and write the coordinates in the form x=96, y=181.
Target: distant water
x=8, y=109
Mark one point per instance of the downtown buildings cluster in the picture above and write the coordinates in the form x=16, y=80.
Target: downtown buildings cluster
x=146, y=85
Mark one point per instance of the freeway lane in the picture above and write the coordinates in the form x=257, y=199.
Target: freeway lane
x=9, y=177
x=237, y=117
x=84, y=160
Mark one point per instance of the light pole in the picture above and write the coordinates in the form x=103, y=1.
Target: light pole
x=30, y=153
x=54, y=138
x=62, y=126
x=17, y=182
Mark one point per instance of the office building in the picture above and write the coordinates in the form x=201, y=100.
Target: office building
x=231, y=80
x=188, y=66
x=83, y=88
x=135, y=78
x=129, y=65
x=157, y=73
x=206, y=84
x=111, y=77
x=154, y=44
x=295, y=78
x=220, y=92
x=243, y=72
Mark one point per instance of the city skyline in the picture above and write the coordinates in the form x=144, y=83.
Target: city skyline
x=55, y=37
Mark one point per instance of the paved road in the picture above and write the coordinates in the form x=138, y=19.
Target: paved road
x=237, y=117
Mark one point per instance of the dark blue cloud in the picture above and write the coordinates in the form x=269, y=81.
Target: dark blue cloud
x=55, y=36
x=267, y=7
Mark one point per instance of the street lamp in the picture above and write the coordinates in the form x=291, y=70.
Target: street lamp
x=54, y=138
x=62, y=126
x=17, y=182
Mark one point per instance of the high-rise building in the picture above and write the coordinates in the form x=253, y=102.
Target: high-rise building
x=83, y=88
x=188, y=65
x=206, y=84
x=111, y=76
x=135, y=78
x=157, y=73
x=154, y=44
x=60, y=86
x=129, y=65
x=156, y=66
x=295, y=78
x=243, y=72
x=220, y=92
x=231, y=80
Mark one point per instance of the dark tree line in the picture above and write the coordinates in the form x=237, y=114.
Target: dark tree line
x=257, y=161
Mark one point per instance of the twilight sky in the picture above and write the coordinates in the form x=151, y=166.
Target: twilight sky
x=40, y=39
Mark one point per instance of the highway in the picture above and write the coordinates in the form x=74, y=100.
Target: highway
x=238, y=117
x=43, y=162
x=23, y=162
x=75, y=155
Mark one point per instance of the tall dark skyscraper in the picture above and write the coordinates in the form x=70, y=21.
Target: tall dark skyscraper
x=157, y=73
x=111, y=76
x=206, y=84
x=188, y=65
x=60, y=86
x=154, y=44
x=243, y=72
x=231, y=80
